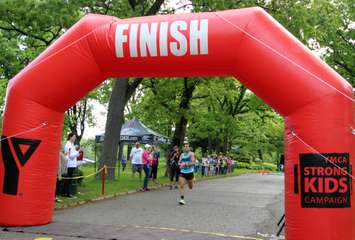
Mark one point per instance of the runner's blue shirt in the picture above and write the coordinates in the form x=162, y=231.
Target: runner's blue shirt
x=186, y=158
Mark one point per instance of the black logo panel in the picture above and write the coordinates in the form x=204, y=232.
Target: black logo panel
x=12, y=172
x=325, y=183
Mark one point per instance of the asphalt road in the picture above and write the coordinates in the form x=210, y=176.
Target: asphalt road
x=245, y=207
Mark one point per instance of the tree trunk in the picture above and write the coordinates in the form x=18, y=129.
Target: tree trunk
x=260, y=153
x=121, y=93
x=180, y=131
x=114, y=123
x=120, y=154
x=76, y=119
x=184, y=106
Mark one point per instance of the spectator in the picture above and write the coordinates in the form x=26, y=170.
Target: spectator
x=71, y=155
x=203, y=166
x=147, y=163
x=81, y=153
x=174, y=157
x=155, y=164
x=282, y=162
x=197, y=166
x=123, y=162
x=229, y=165
x=218, y=165
x=136, y=158
x=212, y=166
x=62, y=170
x=224, y=166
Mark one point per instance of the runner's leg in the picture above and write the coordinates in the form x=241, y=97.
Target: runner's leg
x=182, y=182
x=190, y=183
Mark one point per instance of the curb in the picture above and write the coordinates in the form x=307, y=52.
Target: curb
x=106, y=197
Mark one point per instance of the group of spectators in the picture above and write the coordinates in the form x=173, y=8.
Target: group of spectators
x=181, y=165
x=143, y=160
x=211, y=165
x=146, y=160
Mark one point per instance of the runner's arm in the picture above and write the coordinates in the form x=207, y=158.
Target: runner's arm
x=193, y=159
x=180, y=164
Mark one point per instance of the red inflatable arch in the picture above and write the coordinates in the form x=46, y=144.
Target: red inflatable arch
x=316, y=102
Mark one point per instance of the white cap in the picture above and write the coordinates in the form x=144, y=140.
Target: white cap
x=147, y=146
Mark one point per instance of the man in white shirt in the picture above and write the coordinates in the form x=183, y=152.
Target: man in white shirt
x=71, y=153
x=136, y=157
x=204, y=166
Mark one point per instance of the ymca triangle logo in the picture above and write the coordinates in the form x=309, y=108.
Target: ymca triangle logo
x=24, y=148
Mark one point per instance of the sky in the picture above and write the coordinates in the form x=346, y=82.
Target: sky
x=100, y=113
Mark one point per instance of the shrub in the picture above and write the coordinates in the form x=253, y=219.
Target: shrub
x=256, y=166
x=270, y=166
x=243, y=165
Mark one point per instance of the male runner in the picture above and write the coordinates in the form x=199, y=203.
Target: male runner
x=186, y=163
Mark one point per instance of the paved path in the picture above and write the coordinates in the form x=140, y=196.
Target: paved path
x=245, y=207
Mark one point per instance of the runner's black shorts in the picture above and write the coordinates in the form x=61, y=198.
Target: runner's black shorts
x=187, y=176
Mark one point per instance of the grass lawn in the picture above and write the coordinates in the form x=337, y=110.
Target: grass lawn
x=90, y=188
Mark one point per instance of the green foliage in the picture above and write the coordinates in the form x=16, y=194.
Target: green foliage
x=338, y=37
x=222, y=112
x=243, y=165
x=257, y=166
x=28, y=27
x=158, y=107
x=88, y=145
x=324, y=26
x=270, y=166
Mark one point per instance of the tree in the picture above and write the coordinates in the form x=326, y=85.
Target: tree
x=254, y=126
x=221, y=114
x=33, y=31
x=122, y=91
x=29, y=33
x=24, y=34
x=10, y=63
x=166, y=108
x=213, y=121
x=337, y=40
x=326, y=27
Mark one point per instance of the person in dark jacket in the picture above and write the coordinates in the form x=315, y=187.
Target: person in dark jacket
x=174, y=158
x=155, y=164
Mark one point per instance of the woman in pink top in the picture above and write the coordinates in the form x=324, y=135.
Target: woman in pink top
x=147, y=163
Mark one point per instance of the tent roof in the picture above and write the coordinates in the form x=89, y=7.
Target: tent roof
x=134, y=130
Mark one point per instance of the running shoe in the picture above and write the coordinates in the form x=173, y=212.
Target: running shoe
x=182, y=202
